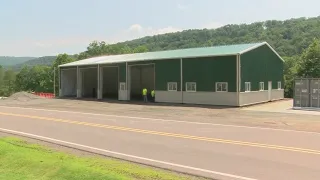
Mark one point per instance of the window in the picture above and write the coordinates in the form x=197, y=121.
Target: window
x=191, y=87
x=261, y=86
x=221, y=87
x=247, y=86
x=279, y=84
x=172, y=86
x=122, y=86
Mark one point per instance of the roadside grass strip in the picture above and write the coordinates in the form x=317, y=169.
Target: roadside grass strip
x=20, y=159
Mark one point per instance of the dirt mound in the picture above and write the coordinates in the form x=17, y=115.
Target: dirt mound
x=23, y=96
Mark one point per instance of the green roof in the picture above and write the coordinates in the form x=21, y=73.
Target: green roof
x=171, y=54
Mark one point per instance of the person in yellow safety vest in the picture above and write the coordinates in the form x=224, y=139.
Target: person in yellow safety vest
x=144, y=94
x=152, y=95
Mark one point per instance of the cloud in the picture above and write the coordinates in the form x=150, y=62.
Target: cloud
x=182, y=7
x=77, y=44
x=135, y=27
x=137, y=31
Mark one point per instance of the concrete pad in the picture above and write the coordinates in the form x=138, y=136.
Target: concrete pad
x=283, y=106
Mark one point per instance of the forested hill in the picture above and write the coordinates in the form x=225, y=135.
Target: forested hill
x=7, y=61
x=45, y=60
x=289, y=37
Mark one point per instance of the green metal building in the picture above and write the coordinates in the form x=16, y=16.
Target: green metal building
x=234, y=75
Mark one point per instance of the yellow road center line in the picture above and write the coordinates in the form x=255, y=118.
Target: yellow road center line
x=199, y=138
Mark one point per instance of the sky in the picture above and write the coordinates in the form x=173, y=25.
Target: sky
x=49, y=27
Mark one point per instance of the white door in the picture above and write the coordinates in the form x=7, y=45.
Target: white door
x=122, y=91
x=269, y=90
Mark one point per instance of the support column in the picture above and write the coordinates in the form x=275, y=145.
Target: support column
x=79, y=80
x=60, y=78
x=128, y=80
x=181, y=80
x=101, y=82
x=99, y=92
x=238, y=79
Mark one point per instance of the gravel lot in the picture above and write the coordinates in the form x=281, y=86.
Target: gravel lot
x=272, y=115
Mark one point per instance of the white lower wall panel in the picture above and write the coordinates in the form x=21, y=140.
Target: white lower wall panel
x=277, y=94
x=168, y=96
x=210, y=98
x=254, y=97
x=205, y=98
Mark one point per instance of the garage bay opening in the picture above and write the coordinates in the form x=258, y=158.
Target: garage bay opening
x=89, y=82
x=68, y=82
x=110, y=82
x=141, y=76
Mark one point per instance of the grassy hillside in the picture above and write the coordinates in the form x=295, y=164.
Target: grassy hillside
x=7, y=61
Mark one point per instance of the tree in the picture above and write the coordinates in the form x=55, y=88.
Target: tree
x=8, y=83
x=1, y=81
x=290, y=72
x=1, y=75
x=23, y=80
x=140, y=49
x=37, y=78
x=309, y=64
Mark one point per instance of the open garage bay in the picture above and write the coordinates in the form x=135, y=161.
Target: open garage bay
x=141, y=76
x=110, y=79
x=68, y=82
x=89, y=82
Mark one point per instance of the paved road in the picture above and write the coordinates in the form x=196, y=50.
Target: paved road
x=217, y=151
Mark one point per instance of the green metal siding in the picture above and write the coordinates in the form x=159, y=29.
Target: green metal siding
x=261, y=65
x=122, y=72
x=207, y=71
x=167, y=71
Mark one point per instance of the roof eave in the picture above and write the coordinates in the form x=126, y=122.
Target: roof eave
x=253, y=47
x=90, y=64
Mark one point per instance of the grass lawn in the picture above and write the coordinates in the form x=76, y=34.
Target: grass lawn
x=22, y=160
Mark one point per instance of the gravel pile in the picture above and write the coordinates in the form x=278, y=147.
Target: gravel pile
x=23, y=96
